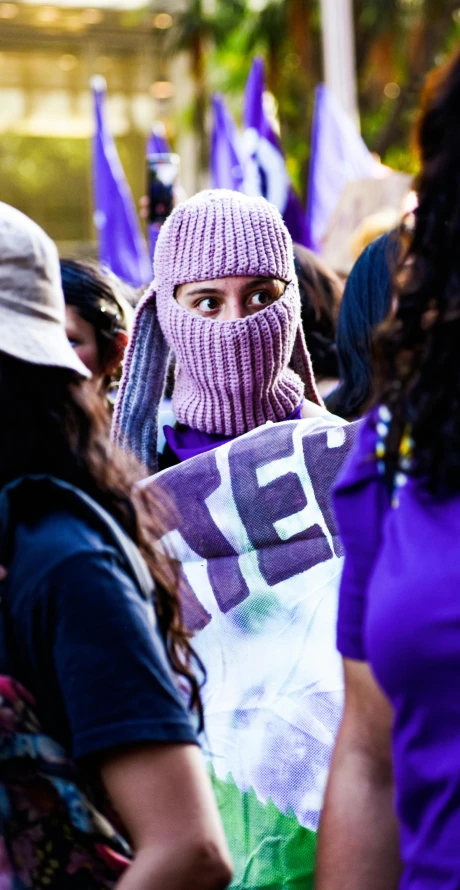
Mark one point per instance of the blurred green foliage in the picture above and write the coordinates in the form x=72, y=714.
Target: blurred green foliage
x=49, y=179
x=37, y=171
x=397, y=43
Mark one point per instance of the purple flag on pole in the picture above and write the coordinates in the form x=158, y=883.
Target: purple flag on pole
x=226, y=169
x=338, y=155
x=121, y=245
x=265, y=168
x=157, y=143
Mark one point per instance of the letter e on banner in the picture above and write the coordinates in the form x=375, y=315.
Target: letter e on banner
x=273, y=505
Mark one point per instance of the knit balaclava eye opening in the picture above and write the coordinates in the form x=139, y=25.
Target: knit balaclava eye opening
x=231, y=376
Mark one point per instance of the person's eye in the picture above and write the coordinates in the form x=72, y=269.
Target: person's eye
x=208, y=305
x=261, y=298
x=74, y=343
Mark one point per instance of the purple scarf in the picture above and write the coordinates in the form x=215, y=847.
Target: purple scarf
x=187, y=442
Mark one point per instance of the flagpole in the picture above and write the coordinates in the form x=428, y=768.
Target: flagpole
x=339, y=53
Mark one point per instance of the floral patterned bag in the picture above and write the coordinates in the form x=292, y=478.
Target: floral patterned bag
x=57, y=829
x=53, y=833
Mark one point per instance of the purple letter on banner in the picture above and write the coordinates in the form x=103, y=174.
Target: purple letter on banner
x=259, y=508
x=198, y=529
x=323, y=474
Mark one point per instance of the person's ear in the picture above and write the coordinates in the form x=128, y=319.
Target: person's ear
x=116, y=353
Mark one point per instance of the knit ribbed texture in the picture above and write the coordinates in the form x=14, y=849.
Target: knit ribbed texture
x=135, y=418
x=231, y=376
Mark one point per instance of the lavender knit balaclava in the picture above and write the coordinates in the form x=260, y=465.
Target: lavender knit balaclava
x=231, y=376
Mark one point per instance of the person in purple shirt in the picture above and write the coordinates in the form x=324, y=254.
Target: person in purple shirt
x=225, y=302
x=392, y=809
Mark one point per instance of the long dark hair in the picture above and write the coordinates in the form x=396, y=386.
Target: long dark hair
x=54, y=423
x=320, y=294
x=365, y=303
x=418, y=351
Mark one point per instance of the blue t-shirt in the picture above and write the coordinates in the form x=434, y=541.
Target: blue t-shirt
x=84, y=641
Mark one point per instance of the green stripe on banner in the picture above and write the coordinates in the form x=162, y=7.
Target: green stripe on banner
x=269, y=849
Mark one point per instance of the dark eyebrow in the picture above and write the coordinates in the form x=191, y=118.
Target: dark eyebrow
x=262, y=279
x=203, y=290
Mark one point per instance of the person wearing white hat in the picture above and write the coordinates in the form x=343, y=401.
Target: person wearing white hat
x=32, y=311
x=91, y=707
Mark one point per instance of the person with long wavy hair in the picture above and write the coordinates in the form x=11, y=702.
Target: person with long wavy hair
x=392, y=808
x=77, y=549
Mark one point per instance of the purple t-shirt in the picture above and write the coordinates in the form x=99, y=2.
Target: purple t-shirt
x=399, y=609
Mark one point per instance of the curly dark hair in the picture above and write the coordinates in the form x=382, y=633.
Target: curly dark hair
x=418, y=348
x=57, y=425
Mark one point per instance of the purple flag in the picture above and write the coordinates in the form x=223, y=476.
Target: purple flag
x=226, y=169
x=265, y=168
x=121, y=244
x=338, y=155
x=157, y=143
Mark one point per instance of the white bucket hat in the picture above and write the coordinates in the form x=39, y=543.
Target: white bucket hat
x=32, y=309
